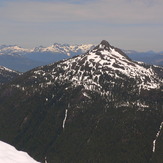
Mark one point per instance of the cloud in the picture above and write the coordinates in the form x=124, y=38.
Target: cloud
x=122, y=11
x=127, y=23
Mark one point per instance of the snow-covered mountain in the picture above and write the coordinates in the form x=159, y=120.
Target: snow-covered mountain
x=8, y=154
x=55, y=48
x=21, y=59
x=104, y=60
x=65, y=48
x=13, y=50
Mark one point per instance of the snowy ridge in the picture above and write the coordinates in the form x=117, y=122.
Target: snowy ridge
x=56, y=48
x=2, y=68
x=64, y=48
x=12, y=49
x=8, y=154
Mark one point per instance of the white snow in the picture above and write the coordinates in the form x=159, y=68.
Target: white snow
x=46, y=160
x=86, y=95
x=157, y=135
x=12, y=49
x=8, y=154
x=141, y=105
x=64, y=121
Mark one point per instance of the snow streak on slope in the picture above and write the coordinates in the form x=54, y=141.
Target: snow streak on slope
x=8, y=154
x=157, y=135
x=64, y=121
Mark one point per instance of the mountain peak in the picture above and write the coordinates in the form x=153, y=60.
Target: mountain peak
x=105, y=43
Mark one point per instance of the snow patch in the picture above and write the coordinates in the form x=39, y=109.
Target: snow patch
x=86, y=95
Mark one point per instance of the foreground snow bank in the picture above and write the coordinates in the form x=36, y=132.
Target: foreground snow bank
x=8, y=154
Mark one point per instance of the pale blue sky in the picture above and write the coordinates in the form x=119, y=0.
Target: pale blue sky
x=128, y=24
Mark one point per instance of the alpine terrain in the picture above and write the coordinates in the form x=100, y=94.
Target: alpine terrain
x=97, y=107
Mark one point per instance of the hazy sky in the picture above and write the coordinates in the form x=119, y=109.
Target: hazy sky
x=127, y=24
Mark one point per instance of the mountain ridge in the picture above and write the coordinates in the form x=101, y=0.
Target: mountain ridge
x=96, y=107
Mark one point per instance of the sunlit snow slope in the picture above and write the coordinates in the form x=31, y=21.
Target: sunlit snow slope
x=8, y=154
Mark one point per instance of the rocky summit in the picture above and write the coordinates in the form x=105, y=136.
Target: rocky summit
x=95, y=107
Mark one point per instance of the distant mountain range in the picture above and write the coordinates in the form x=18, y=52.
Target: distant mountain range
x=20, y=59
x=149, y=57
x=97, y=107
